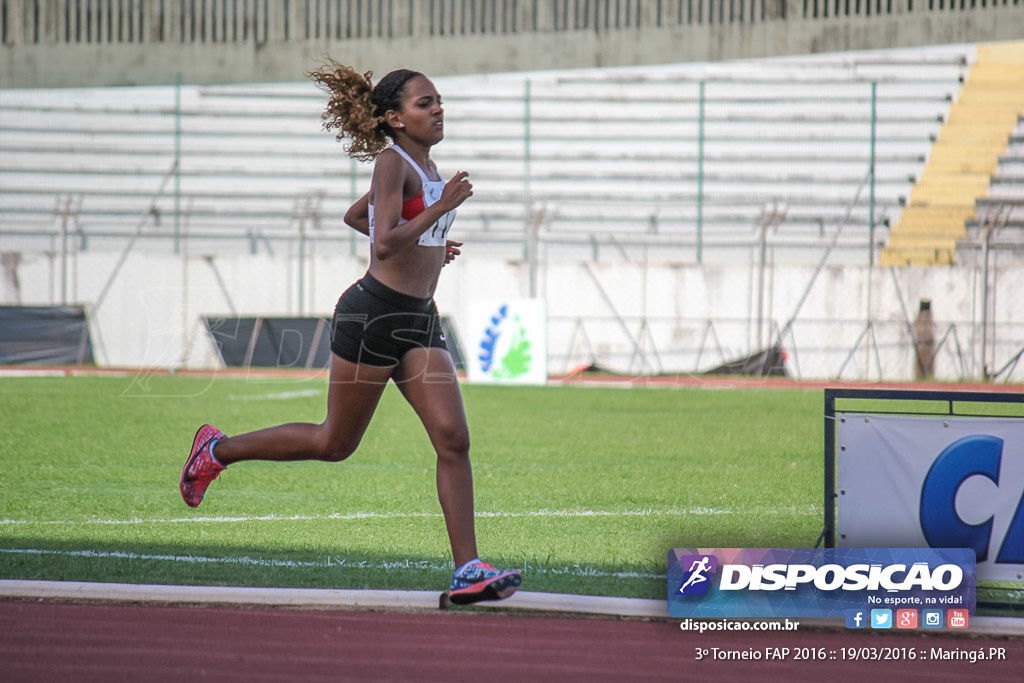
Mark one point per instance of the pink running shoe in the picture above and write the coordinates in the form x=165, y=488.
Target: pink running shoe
x=480, y=581
x=200, y=469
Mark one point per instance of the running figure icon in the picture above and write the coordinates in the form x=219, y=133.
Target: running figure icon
x=697, y=570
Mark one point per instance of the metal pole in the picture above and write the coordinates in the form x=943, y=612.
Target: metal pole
x=867, y=349
x=763, y=240
x=829, y=532
x=984, y=304
x=871, y=199
x=700, y=174
x=184, y=303
x=824, y=258
x=611, y=306
x=531, y=249
x=527, y=185
x=302, y=256
x=64, y=251
x=995, y=224
x=177, y=164
x=138, y=231
x=871, y=227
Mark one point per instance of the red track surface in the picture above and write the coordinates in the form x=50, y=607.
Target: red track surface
x=41, y=641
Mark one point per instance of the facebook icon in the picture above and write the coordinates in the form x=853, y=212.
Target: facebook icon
x=855, y=618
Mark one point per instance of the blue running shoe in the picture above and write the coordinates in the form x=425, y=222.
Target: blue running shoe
x=478, y=581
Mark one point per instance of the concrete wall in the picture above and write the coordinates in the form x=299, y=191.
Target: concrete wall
x=630, y=317
x=53, y=43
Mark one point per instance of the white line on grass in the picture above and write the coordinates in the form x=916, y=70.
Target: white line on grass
x=335, y=562
x=812, y=509
x=278, y=396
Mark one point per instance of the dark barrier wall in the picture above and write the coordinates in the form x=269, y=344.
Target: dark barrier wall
x=286, y=342
x=272, y=342
x=770, y=362
x=44, y=335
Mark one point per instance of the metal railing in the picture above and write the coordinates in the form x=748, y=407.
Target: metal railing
x=260, y=21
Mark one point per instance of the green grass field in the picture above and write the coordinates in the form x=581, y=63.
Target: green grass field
x=585, y=489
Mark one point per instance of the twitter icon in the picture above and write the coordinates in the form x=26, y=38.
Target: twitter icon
x=881, y=618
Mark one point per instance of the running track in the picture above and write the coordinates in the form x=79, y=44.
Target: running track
x=82, y=642
x=57, y=641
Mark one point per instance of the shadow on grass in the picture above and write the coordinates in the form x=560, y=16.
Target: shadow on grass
x=251, y=565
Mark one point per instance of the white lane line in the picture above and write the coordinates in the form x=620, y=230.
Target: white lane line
x=812, y=509
x=329, y=562
x=331, y=598
x=278, y=396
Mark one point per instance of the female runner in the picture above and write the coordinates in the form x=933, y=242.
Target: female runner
x=386, y=325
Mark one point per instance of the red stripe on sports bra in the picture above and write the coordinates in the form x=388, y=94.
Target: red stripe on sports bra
x=413, y=207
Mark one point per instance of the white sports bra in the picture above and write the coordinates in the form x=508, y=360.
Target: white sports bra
x=436, y=234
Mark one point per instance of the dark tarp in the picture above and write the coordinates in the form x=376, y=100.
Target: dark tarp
x=272, y=342
x=768, y=363
x=285, y=342
x=45, y=335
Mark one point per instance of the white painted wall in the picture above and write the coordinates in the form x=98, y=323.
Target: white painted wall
x=686, y=317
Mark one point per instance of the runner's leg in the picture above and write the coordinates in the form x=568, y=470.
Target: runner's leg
x=426, y=378
x=352, y=397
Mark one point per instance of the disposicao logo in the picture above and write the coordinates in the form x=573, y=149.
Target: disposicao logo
x=784, y=582
x=696, y=581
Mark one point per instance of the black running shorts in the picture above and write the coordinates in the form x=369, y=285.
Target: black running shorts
x=375, y=325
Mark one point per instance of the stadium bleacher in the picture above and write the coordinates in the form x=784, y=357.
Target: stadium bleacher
x=963, y=161
x=662, y=156
x=1003, y=209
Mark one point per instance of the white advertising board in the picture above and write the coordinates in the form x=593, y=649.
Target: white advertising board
x=507, y=341
x=940, y=482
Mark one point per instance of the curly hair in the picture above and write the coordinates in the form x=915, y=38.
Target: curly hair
x=356, y=107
